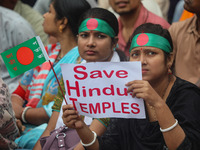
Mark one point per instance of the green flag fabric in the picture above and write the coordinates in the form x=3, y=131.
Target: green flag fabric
x=24, y=56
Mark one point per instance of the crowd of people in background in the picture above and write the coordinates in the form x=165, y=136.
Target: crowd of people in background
x=32, y=105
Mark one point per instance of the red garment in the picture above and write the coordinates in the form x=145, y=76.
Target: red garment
x=20, y=92
x=145, y=16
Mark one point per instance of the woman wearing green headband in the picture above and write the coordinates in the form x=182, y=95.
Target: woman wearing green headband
x=97, y=39
x=172, y=104
x=102, y=27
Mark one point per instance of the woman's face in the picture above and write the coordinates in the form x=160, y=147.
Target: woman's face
x=50, y=25
x=153, y=62
x=95, y=46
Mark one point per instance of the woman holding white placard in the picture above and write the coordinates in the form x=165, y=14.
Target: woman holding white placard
x=172, y=104
x=93, y=46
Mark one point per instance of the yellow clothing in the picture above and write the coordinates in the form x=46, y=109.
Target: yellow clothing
x=185, y=15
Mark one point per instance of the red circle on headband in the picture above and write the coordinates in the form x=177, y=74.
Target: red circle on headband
x=92, y=24
x=142, y=39
x=25, y=55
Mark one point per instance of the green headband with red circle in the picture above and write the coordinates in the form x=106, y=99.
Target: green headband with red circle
x=95, y=24
x=152, y=40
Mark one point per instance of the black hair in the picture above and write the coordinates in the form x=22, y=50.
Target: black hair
x=121, y=54
x=103, y=14
x=155, y=29
x=72, y=10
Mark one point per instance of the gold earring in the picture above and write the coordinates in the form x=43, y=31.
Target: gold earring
x=169, y=71
x=60, y=29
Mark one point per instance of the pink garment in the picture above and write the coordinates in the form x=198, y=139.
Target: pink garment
x=145, y=16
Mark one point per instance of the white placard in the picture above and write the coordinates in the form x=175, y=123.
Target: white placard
x=98, y=89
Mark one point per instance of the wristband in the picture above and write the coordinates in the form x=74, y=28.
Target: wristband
x=170, y=128
x=23, y=114
x=89, y=144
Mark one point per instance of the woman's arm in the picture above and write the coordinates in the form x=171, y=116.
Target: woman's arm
x=174, y=137
x=50, y=127
x=36, y=116
x=95, y=126
x=17, y=99
x=142, y=89
x=17, y=105
x=72, y=120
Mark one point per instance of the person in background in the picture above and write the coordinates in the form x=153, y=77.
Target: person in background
x=186, y=36
x=172, y=104
x=33, y=98
x=14, y=30
x=27, y=12
x=42, y=6
x=10, y=128
x=94, y=46
x=150, y=5
x=132, y=14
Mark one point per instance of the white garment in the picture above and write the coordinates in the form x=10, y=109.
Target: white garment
x=152, y=6
x=87, y=120
x=164, y=6
x=13, y=30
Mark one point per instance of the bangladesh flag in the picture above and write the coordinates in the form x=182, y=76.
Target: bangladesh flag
x=25, y=56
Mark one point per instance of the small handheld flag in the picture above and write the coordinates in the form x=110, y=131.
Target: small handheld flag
x=25, y=56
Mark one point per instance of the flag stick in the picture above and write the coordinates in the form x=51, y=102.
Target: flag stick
x=58, y=82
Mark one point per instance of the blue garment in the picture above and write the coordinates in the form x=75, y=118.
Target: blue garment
x=178, y=11
x=29, y=138
x=70, y=58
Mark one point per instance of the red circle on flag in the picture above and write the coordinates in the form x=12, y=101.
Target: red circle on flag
x=25, y=55
x=92, y=24
x=142, y=39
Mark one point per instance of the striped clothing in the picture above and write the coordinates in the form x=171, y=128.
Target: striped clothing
x=36, y=78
